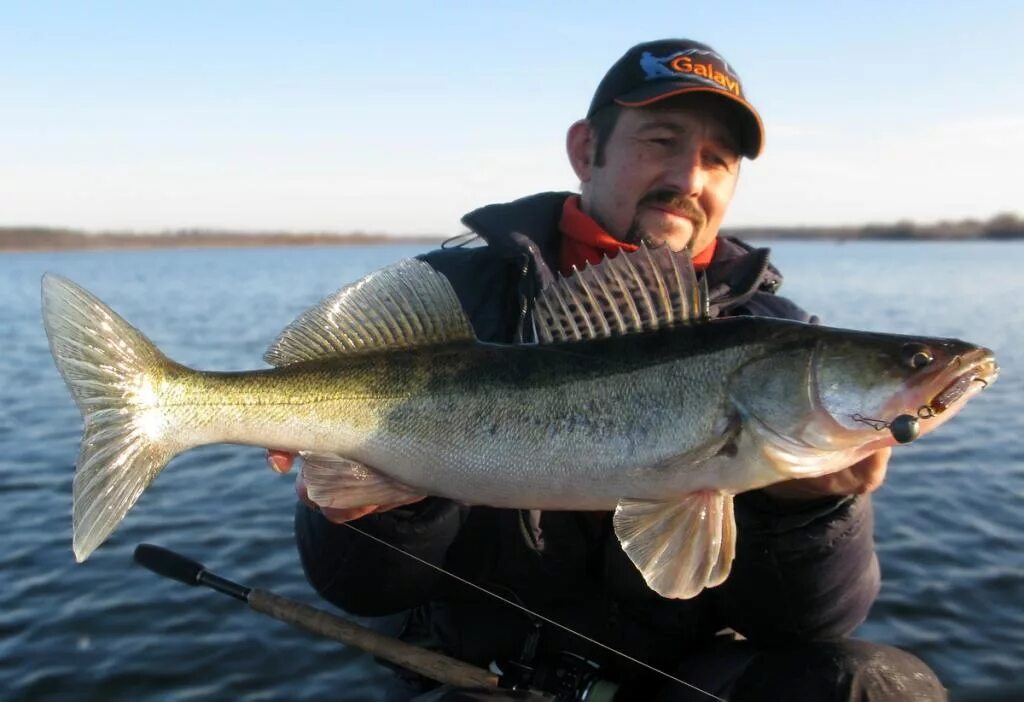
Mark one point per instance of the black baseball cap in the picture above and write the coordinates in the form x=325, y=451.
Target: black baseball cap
x=661, y=69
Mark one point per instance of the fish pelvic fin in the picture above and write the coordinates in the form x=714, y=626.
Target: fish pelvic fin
x=115, y=375
x=405, y=305
x=338, y=482
x=633, y=292
x=681, y=547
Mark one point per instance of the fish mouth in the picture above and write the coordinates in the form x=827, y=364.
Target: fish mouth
x=969, y=374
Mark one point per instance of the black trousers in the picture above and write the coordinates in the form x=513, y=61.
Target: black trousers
x=841, y=671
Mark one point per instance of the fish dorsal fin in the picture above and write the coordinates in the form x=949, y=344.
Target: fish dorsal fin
x=401, y=306
x=633, y=292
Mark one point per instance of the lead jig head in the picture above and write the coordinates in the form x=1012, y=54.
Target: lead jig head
x=905, y=428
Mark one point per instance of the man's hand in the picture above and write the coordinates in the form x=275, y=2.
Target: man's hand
x=863, y=477
x=282, y=462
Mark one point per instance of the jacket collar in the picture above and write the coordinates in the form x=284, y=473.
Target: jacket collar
x=738, y=272
x=527, y=229
x=533, y=216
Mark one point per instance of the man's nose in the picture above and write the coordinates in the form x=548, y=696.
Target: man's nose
x=686, y=175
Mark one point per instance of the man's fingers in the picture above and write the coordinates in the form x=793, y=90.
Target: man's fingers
x=863, y=477
x=280, y=461
x=871, y=470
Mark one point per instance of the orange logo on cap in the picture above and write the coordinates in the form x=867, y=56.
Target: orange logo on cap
x=656, y=67
x=685, y=64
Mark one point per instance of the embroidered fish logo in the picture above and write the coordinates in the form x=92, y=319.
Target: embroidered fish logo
x=714, y=71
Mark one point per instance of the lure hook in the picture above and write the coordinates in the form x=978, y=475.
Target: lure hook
x=905, y=428
x=876, y=424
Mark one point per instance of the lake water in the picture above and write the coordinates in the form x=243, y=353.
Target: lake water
x=950, y=519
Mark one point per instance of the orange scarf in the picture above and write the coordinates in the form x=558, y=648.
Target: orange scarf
x=585, y=241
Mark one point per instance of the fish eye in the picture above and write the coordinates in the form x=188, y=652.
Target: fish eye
x=916, y=355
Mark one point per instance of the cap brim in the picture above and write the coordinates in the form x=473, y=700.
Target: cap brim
x=752, y=127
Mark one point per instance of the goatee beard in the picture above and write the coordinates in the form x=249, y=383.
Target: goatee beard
x=636, y=234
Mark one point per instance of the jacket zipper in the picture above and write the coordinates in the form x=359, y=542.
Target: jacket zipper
x=523, y=302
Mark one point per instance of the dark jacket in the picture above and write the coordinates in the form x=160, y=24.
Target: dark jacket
x=801, y=572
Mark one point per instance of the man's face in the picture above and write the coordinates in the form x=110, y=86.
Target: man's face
x=668, y=174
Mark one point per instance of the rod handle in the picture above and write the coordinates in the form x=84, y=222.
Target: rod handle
x=433, y=665
x=175, y=566
x=169, y=564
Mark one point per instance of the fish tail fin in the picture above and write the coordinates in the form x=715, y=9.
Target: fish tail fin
x=115, y=375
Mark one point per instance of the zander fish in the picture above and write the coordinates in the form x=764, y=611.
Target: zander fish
x=631, y=400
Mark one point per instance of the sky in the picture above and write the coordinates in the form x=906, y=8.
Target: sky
x=401, y=117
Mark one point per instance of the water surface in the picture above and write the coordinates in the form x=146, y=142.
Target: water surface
x=950, y=519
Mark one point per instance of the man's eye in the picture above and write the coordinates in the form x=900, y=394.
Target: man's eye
x=660, y=141
x=719, y=160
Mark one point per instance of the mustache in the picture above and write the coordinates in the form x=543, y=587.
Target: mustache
x=677, y=201
x=672, y=199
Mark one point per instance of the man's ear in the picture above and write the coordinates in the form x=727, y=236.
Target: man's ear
x=579, y=144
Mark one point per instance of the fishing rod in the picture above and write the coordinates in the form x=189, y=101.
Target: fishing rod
x=575, y=681
x=435, y=666
x=591, y=687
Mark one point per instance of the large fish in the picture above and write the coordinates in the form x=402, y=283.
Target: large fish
x=631, y=400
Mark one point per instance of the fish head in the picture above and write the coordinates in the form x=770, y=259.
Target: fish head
x=865, y=381
x=821, y=401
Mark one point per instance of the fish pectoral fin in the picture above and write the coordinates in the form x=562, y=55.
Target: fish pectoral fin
x=679, y=547
x=724, y=443
x=340, y=483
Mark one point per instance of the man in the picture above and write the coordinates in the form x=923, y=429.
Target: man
x=658, y=158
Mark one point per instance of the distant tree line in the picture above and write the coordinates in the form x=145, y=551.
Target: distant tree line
x=50, y=238
x=1003, y=226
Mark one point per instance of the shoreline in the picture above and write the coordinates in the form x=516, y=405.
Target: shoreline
x=30, y=240
x=40, y=239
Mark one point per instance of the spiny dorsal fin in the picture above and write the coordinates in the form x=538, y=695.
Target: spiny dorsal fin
x=401, y=306
x=633, y=292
